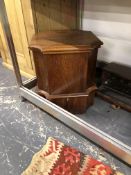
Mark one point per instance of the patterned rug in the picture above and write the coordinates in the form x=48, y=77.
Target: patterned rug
x=55, y=158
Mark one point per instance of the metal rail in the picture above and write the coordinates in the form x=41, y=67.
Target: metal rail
x=109, y=143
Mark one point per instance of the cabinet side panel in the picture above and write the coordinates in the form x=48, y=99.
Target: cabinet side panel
x=92, y=58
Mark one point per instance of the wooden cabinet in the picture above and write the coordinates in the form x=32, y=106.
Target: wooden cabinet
x=65, y=63
x=27, y=17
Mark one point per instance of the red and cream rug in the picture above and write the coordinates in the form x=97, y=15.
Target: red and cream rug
x=55, y=158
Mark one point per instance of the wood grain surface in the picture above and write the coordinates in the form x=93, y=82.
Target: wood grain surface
x=65, y=41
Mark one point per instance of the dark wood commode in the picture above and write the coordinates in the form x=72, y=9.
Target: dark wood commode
x=65, y=63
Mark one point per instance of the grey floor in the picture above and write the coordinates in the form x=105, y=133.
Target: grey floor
x=116, y=123
x=24, y=128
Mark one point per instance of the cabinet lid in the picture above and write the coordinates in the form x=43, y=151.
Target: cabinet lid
x=65, y=41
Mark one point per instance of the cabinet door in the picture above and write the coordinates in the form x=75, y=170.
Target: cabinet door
x=17, y=25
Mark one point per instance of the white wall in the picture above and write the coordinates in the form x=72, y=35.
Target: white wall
x=111, y=22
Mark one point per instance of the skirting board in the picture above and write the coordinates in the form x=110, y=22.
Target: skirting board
x=22, y=72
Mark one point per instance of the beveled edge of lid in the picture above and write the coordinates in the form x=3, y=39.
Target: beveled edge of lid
x=65, y=48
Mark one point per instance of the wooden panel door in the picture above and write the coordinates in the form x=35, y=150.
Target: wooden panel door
x=3, y=47
x=18, y=30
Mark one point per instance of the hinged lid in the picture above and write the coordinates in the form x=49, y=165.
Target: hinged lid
x=65, y=41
